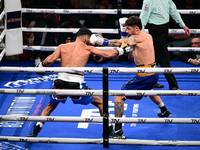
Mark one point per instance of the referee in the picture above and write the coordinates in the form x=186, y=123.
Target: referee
x=156, y=13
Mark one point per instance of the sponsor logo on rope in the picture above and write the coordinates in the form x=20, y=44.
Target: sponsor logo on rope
x=193, y=30
x=141, y=120
x=46, y=92
x=192, y=94
x=117, y=94
x=114, y=71
x=167, y=70
x=23, y=119
x=20, y=91
x=195, y=120
x=23, y=140
x=168, y=120
x=88, y=71
x=29, y=10
x=164, y=94
x=192, y=50
x=88, y=119
x=85, y=11
x=65, y=10
x=47, y=141
x=140, y=71
x=173, y=30
x=194, y=70
x=192, y=12
x=140, y=94
x=115, y=120
x=89, y=93
x=50, y=119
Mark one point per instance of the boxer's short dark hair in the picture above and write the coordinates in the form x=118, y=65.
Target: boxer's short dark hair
x=83, y=31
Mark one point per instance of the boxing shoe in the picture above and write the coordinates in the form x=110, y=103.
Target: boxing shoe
x=35, y=131
x=157, y=85
x=174, y=88
x=119, y=134
x=166, y=114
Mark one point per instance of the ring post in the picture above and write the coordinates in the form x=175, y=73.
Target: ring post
x=105, y=108
x=119, y=13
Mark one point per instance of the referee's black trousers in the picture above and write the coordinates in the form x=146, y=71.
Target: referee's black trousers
x=160, y=34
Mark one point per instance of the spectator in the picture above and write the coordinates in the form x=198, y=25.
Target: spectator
x=157, y=14
x=104, y=3
x=73, y=22
x=177, y=40
x=88, y=3
x=42, y=20
x=75, y=4
x=132, y=4
x=192, y=57
x=101, y=21
x=192, y=20
x=28, y=39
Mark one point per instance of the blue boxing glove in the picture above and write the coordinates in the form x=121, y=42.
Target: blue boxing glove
x=40, y=66
x=122, y=27
x=125, y=48
x=96, y=39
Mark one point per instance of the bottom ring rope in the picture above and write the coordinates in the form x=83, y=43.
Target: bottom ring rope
x=100, y=141
x=100, y=119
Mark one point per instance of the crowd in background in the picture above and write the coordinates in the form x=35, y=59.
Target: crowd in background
x=107, y=21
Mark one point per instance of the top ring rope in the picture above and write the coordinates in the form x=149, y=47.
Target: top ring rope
x=97, y=11
x=100, y=70
x=111, y=31
x=53, y=48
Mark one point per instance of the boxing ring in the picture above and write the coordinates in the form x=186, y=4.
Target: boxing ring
x=105, y=74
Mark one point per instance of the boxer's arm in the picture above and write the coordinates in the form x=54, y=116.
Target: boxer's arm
x=51, y=58
x=103, y=53
x=125, y=48
x=132, y=40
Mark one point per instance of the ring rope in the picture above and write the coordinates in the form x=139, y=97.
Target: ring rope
x=2, y=54
x=100, y=141
x=3, y=33
x=53, y=48
x=100, y=92
x=97, y=11
x=100, y=70
x=100, y=119
x=2, y=15
x=94, y=30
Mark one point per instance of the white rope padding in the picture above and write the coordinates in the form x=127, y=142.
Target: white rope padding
x=2, y=54
x=100, y=119
x=100, y=70
x=100, y=141
x=95, y=30
x=2, y=15
x=98, y=11
x=53, y=48
x=74, y=30
x=3, y=33
x=100, y=92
